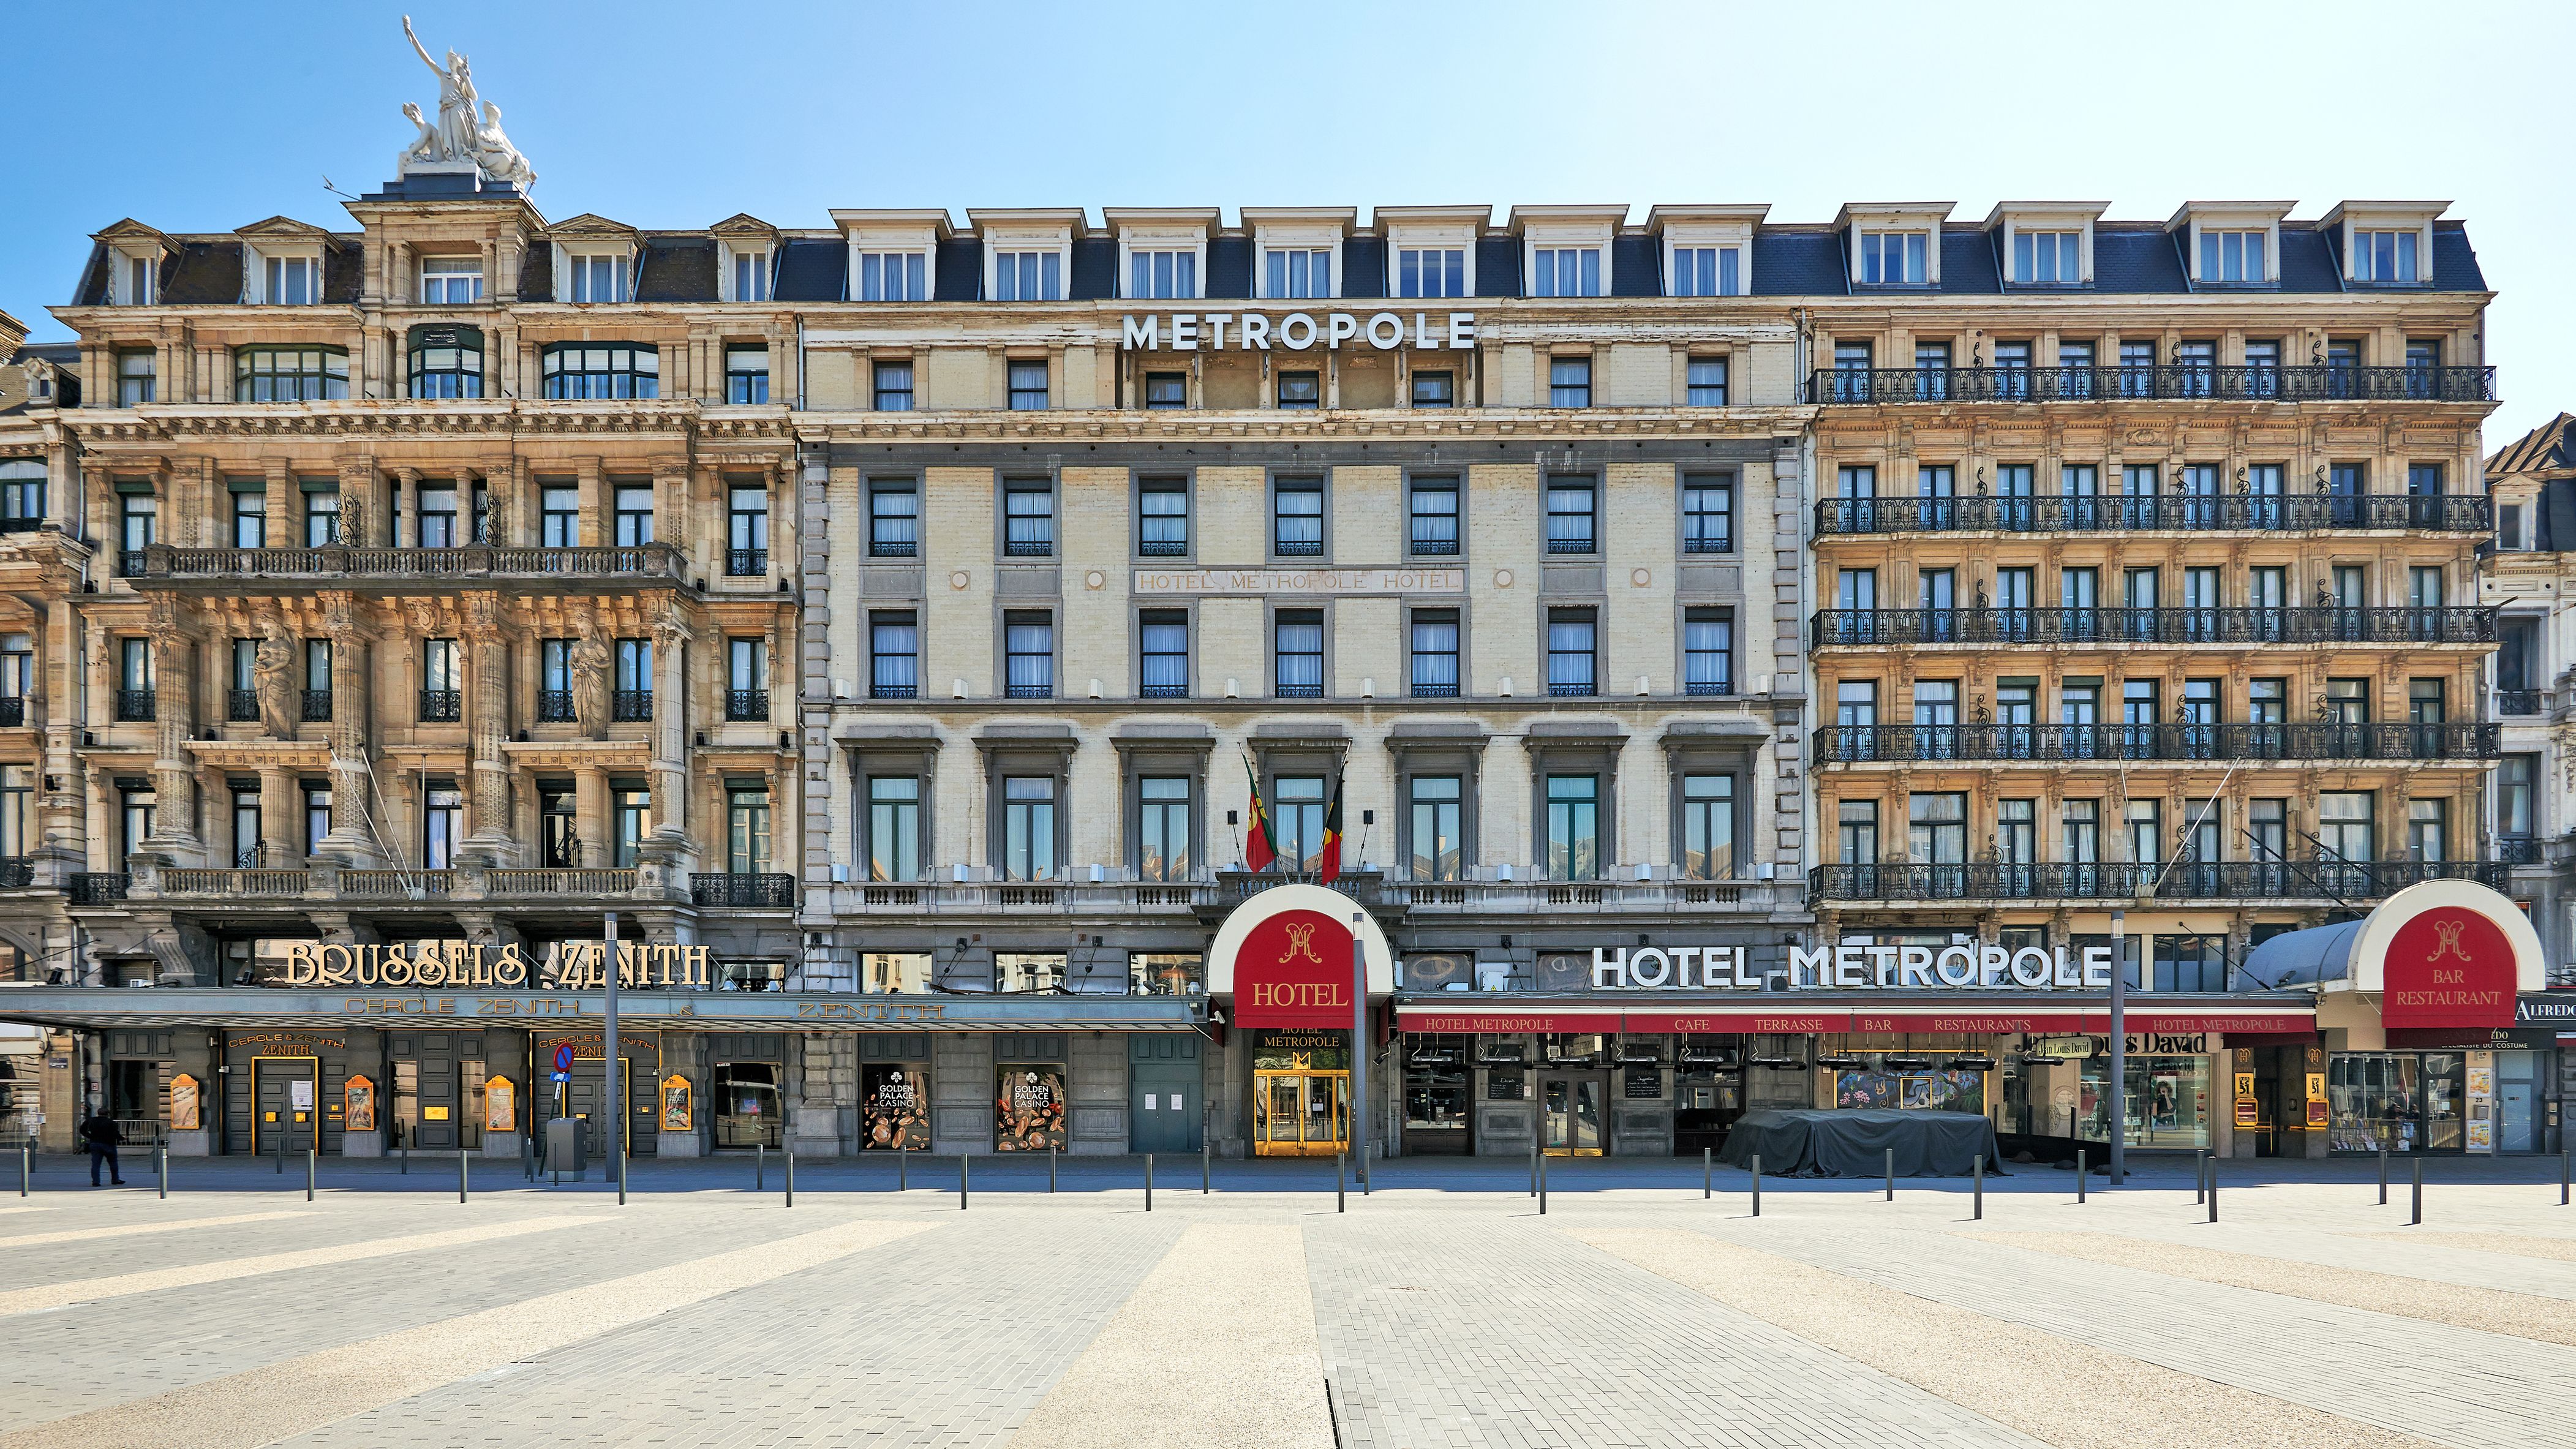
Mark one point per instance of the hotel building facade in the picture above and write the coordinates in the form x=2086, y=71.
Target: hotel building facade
x=901, y=628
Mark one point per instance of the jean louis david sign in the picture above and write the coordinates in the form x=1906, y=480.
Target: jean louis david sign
x=1296, y=331
x=1983, y=966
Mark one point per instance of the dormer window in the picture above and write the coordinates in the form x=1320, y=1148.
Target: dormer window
x=2385, y=256
x=1028, y=276
x=750, y=275
x=894, y=277
x=1893, y=258
x=294, y=281
x=2046, y=257
x=451, y=281
x=1565, y=272
x=1431, y=272
x=1299, y=272
x=1706, y=272
x=2232, y=256
x=1163, y=273
x=135, y=277
x=596, y=277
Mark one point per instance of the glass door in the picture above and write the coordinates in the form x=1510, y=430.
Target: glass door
x=1571, y=1106
x=1300, y=1114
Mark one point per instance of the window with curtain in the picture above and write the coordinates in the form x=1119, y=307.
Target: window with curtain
x=1438, y=849
x=1163, y=273
x=1708, y=827
x=894, y=519
x=1029, y=654
x=442, y=824
x=1435, y=653
x=894, y=653
x=290, y=374
x=1028, y=520
x=747, y=830
x=1571, y=519
x=1708, y=514
x=746, y=372
x=1163, y=518
x=1573, y=827
x=1028, y=276
x=1163, y=827
x=1434, y=523
x=1300, y=272
x=1298, y=636
x=1572, y=652
x=1163, y=654
x=1708, y=652
x=894, y=827
x=1297, y=820
x=894, y=277
x=579, y=370
x=1565, y=272
x=1028, y=827
x=1706, y=272
x=892, y=386
x=1297, y=518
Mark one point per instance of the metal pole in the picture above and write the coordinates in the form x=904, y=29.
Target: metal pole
x=26, y=1147
x=615, y=1096
x=903, y=1164
x=2562, y=1177
x=161, y=1170
x=1359, y=1048
x=2118, y=1117
x=2213, y=1187
x=760, y=1167
x=402, y=1153
x=1207, y=1163
x=1542, y=1185
x=1149, y=1182
x=2079, y=1174
x=2199, y=1175
x=281, y=1153
x=961, y=1181
x=1757, y=1184
x=1978, y=1166
x=1534, y=1153
x=1050, y=1167
x=1707, y=1173
x=1341, y=1186
x=2418, y=1218
x=462, y=1184
x=2383, y=1175
x=790, y=1150
x=1891, y=1174
x=310, y=1153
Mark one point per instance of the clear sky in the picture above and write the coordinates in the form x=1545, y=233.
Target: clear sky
x=199, y=117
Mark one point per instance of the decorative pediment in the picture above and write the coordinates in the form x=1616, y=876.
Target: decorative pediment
x=590, y=226
x=282, y=228
x=133, y=235
x=744, y=224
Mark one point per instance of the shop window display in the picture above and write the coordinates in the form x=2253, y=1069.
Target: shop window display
x=1029, y=1109
x=2165, y=1099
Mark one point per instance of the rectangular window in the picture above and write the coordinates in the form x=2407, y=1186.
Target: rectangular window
x=451, y=281
x=22, y=492
x=634, y=807
x=1936, y=829
x=1708, y=652
x=746, y=530
x=746, y=372
x=1163, y=827
x=1893, y=258
x=1433, y=529
x=1028, y=276
x=2425, y=702
x=1708, y=827
x=1300, y=272
x=290, y=374
x=2509, y=526
x=747, y=830
x=442, y=824
x=1297, y=820
x=1167, y=391
x=1565, y=272
x=2079, y=839
x=634, y=687
x=18, y=671
x=894, y=827
x=634, y=509
x=1028, y=520
x=1300, y=391
x=317, y=817
x=1430, y=272
x=1028, y=654
x=322, y=518
x=1297, y=518
x=1706, y=272
x=17, y=810
x=1573, y=827
x=1163, y=274
x=2428, y=829
x=894, y=519
x=1435, y=653
x=893, y=387
x=894, y=653
x=2017, y=831
x=437, y=521
x=1572, y=652
x=1856, y=831
x=1435, y=389
x=2345, y=825
x=2517, y=784
x=317, y=680
x=1570, y=515
x=1569, y=382
x=1163, y=517
x=2232, y=256
x=138, y=806
x=747, y=680
x=1028, y=381
x=139, y=291
x=134, y=377
x=894, y=277
x=554, y=681
x=1705, y=382
x=1438, y=844
x=598, y=278
x=751, y=275
x=1708, y=514
x=2384, y=256
x=2048, y=257
x=1163, y=653
x=250, y=520
x=442, y=682
x=1028, y=827
x=1298, y=653
x=242, y=699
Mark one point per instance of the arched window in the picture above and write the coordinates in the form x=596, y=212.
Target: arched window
x=602, y=370
x=447, y=362
x=290, y=374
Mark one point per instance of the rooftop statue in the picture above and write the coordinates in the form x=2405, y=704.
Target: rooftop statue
x=461, y=137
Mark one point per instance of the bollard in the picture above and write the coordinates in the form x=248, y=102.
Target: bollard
x=1050, y=1167
x=1149, y=1182
x=281, y=1154
x=1542, y=1185
x=791, y=1176
x=2383, y=1176
x=2199, y=1175
x=2079, y=1174
x=2418, y=1218
x=2562, y=1177
x=463, y=1183
x=1534, y=1161
x=2213, y=1187
x=1978, y=1166
x=404, y=1154
x=161, y=1170
x=1207, y=1163
x=1757, y=1184
x=310, y=1153
x=1891, y=1174
x=1341, y=1187
x=902, y=1164
x=760, y=1167
x=961, y=1181
x=1707, y=1173
x=24, y=1165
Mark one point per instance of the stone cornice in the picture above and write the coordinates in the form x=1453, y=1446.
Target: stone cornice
x=406, y=422
x=1783, y=423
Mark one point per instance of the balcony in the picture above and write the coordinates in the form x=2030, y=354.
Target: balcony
x=2229, y=882
x=1029, y=548
x=16, y=873
x=2505, y=702
x=2521, y=850
x=1833, y=628
x=1108, y=899
x=747, y=706
x=1507, y=897
x=744, y=892
x=442, y=706
x=1163, y=548
x=97, y=888
x=1298, y=547
x=656, y=562
x=241, y=706
x=554, y=706
x=2179, y=513
x=317, y=706
x=630, y=705
x=2319, y=382
x=746, y=563
x=2465, y=740
x=134, y=706
x=13, y=710
x=327, y=883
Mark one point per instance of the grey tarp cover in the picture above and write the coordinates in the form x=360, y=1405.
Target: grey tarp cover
x=1854, y=1142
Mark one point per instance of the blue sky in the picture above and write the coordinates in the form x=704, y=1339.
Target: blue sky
x=204, y=117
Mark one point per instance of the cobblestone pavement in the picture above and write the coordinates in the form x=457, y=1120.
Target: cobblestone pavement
x=1441, y=1312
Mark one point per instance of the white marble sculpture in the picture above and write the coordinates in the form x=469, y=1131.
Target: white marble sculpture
x=460, y=139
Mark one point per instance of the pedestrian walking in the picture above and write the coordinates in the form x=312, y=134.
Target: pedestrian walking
x=100, y=1136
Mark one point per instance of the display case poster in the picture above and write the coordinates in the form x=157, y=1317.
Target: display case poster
x=897, y=1103
x=676, y=1116
x=500, y=1105
x=187, y=1106
x=1029, y=1110
x=360, y=1095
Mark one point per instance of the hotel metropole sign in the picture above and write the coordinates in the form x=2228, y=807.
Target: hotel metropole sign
x=1296, y=331
x=1964, y=967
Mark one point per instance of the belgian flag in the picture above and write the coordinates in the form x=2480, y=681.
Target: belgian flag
x=1333, y=837
x=1257, y=849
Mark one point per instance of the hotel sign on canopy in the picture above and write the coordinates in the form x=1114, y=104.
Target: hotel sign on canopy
x=1982, y=966
x=1295, y=331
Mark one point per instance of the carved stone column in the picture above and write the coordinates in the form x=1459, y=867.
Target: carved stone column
x=590, y=816
x=670, y=732
x=174, y=826
x=280, y=842
x=352, y=680
x=360, y=485
x=488, y=659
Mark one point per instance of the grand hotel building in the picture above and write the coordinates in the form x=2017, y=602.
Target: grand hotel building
x=896, y=619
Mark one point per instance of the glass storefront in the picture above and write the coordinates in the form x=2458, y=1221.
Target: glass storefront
x=2400, y=1101
x=1301, y=1093
x=2165, y=1100
x=1436, y=1081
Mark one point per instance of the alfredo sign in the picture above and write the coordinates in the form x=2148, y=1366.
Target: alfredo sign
x=1980, y=967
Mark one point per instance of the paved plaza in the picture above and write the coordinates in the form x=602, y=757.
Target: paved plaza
x=1441, y=1310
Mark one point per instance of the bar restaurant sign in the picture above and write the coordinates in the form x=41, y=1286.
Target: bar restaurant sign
x=2447, y=955
x=459, y=965
x=1984, y=966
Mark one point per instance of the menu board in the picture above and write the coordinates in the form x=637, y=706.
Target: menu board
x=1644, y=1084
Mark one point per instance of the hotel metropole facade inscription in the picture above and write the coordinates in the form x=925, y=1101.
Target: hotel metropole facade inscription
x=1316, y=583
x=569, y=966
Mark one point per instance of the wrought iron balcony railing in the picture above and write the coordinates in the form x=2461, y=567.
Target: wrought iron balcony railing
x=2396, y=624
x=2312, y=382
x=97, y=888
x=2519, y=701
x=442, y=706
x=746, y=705
x=17, y=873
x=2521, y=850
x=2128, y=743
x=2236, y=880
x=750, y=892
x=2176, y=512
x=241, y=706
x=746, y=563
x=554, y=706
x=317, y=705
x=134, y=706
x=13, y=710
x=631, y=561
x=627, y=705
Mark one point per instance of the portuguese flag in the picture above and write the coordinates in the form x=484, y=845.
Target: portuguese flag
x=1257, y=850
x=1333, y=837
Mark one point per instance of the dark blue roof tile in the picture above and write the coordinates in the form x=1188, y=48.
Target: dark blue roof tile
x=811, y=269
x=2136, y=259
x=1799, y=264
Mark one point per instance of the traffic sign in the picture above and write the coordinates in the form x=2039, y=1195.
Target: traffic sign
x=563, y=1076
x=563, y=1057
